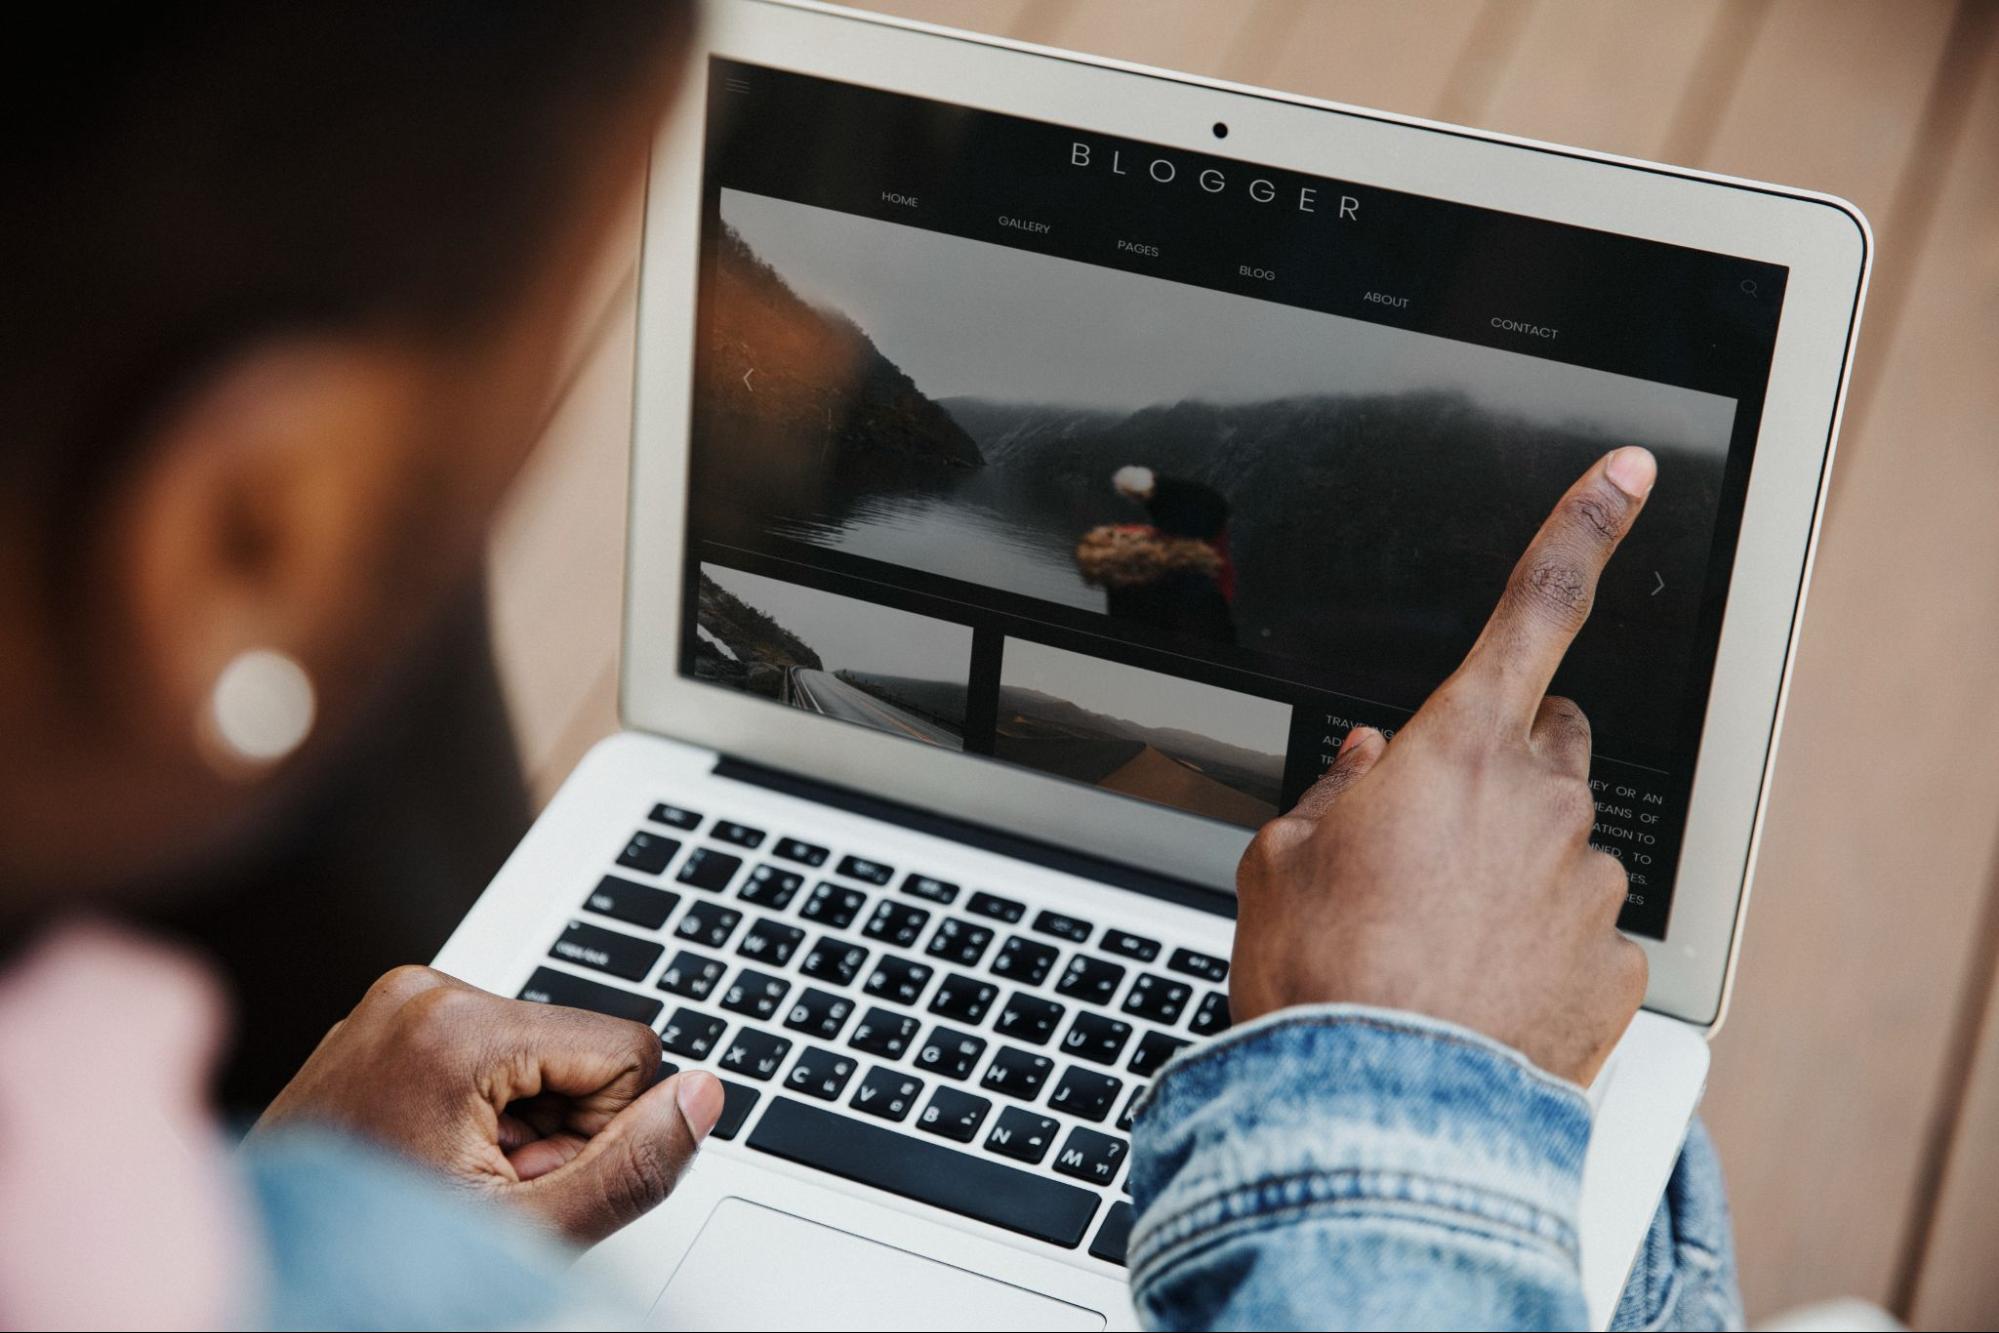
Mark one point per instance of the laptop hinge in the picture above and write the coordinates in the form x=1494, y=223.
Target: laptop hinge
x=1184, y=893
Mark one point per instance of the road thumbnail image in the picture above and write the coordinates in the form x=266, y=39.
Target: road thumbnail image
x=843, y=658
x=1197, y=747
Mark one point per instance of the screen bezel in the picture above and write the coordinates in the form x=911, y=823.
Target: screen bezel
x=1823, y=241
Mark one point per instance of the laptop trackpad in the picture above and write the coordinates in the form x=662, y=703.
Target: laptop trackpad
x=755, y=1267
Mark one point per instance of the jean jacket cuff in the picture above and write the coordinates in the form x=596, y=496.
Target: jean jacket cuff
x=1347, y=1109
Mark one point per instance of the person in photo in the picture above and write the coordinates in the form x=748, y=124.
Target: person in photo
x=1174, y=572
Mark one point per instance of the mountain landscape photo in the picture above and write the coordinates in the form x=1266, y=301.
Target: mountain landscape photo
x=1162, y=738
x=891, y=395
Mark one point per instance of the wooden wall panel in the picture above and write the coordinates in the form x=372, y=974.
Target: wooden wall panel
x=557, y=565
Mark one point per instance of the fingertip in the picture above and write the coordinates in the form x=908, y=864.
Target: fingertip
x=699, y=1096
x=1362, y=746
x=1632, y=470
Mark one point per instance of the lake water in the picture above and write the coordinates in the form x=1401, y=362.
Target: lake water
x=955, y=536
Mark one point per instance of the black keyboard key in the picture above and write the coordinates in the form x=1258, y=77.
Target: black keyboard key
x=1130, y=945
x=1096, y=1037
x=742, y=835
x=819, y=1014
x=692, y=1034
x=738, y=1100
x=606, y=951
x=691, y=975
x=964, y=998
x=708, y=923
x=955, y=1115
x=1091, y=1155
x=1017, y=1073
x=1130, y=1106
x=634, y=904
x=1212, y=1016
x=834, y=960
x=548, y=986
x=821, y=1073
x=667, y=1069
x=898, y=979
x=1029, y=1018
x=926, y=1172
x=950, y=1053
x=960, y=942
x=885, y=1033
x=995, y=907
x=648, y=852
x=833, y=905
x=1090, y=979
x=872, y=872
x=706, y=868
x=1154, y=1050
x=797, y=849
x=674, y=816
x=1022, y=1135
x=1070, y=928
x=1204, y=966
x=1023, y=960
x=1114, y=1235
x=756, y=1054
x=1085, y=1094
x=755, y=993
x=896, y=923
x=771, y=886
x=771, y=942
x=887, y=1093
x=936, y=890
x=1158, y=999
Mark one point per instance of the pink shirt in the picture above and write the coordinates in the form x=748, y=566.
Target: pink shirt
x=117, y=1207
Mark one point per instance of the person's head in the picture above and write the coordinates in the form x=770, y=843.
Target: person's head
x=286, y=288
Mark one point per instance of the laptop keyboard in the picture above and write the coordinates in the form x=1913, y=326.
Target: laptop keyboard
x=887, y=1027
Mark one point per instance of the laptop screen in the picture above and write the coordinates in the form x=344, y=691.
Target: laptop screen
x=1157, y=471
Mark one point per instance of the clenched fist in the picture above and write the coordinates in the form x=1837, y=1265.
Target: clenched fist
x=1449, y=872
x=553, y=1110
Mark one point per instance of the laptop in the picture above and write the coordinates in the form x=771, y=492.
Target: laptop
x=1039, y=463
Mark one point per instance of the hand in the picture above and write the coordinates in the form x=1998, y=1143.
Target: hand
x=554, y=1110
x=1449, y=872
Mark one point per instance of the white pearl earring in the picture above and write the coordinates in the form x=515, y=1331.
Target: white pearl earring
x=261, y=708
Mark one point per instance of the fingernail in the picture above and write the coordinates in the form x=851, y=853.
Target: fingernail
x=1354, y=738
x=700, y=1098
x=1632, y=470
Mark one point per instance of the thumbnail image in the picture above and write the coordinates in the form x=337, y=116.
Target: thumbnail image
x=823, y=653
x=1196, y=465
x=1196, y=747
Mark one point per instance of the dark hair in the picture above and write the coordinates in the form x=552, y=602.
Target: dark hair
x=181, y=177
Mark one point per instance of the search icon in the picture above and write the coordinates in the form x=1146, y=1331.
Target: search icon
x=1748, y=286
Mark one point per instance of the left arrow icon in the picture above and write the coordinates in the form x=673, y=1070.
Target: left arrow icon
x=746, y=379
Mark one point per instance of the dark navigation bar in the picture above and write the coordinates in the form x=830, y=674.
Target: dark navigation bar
x=1616, y=303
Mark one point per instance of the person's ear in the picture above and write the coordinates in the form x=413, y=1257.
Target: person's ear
x=253, y=531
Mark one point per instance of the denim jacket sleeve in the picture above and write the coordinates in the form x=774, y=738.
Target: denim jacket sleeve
x=1346, y=1167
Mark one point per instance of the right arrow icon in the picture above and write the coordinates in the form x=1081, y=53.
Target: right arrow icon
x=1662, y=583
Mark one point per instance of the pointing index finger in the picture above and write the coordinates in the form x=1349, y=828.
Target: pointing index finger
x=1549, y=595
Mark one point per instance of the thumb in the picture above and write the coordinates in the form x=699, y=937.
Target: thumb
x=630, y=1165
x=1359, y=752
